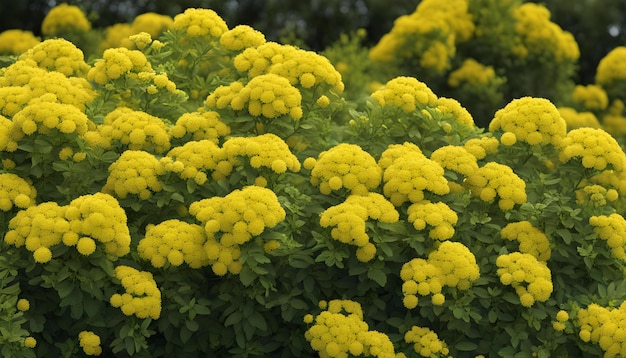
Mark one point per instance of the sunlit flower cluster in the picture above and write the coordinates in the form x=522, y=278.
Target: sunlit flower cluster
x=346, y=166
x=407, y=93
x=142, y=297
x=43, y=117
x=302, y=68
x=410, y=175
x=574, y=119
x=497, y=180
x=438, y=216
x=199, y=126
x=340, y=331
x=64, y=19
x=90, y=343
x=612, y=229
x=232, y=221
x=200, y=23
x=176, y=242
x=532, y=120
x=117, y=62
x=596, y=195
x=595, y=148
x=611, y=70
x=541, y=37
x=426, y=342
x=97, y=218
x=348, y=221
x=134, y=172
x=455, y=158
x=194, y=159
x=395, y=151
x=531, y=240
x=58, y=55
x=483, y=146
x=561, y=318
x=13, y=99
x=530, y=277
x=614, y=121
x=152, y=23
x=266, y=150
x=452, y=107
x=451, y=264
x=604, y=326
x=16, y=41
x=590, y=97
x=15, y=192
x=267, y=95
x=472, y=72
x=241, y=37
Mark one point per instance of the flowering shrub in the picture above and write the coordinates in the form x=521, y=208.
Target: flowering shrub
x=193, y=189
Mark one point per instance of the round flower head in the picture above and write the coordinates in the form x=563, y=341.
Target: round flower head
x=611, y=71
x=176, y=242
x=574, y=119
x=590, y=97
x=531, y=240
x=152, y=23
x=426, y=342
x=456, y=159
x=453, y=108
x=199, y=126
x=438, y=216
x=596, y=149
x=473, y=73
x=134, y=172
x=58, y=55
x=530, y=277
x=64, y=19
x=267, y=150
x=200, y=23
x=241, y=37
x=136, y=130
x=406, y=93
x=15, y=41
x=531, y=120
x=497, y=180
x=117, y=62
x=610, y=228
x=142, y=297
x=15, y=192
x=194, y=159
x=42, y=117
x=90, y=343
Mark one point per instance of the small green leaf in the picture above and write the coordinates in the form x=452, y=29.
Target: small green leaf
x=378, y=276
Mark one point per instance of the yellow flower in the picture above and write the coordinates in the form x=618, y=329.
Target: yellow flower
x=596, y=149
x=63, y=19
x=30, y=342
x=590, y=97
x=58, y=55
x=574, y=119
x=90, y=343
x=15, y=41
x=86, y=246
x=532, y=240
x=200, y=23
x=241, y=37
x=134, y=172
x=497, y=180
x=142, y=297
x=23, y=304
x=42, y=255
x=175, y=240
x=407, y=93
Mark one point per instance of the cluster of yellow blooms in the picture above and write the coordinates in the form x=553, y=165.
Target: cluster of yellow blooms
x=142, y=297
x=267, y=95
x=473, y=73
x=200, y=23
x=64, y=19
x=118, y=35
x=612, y=68
x=90, y=343
x=481, y=147
x=233, y=220
x=15, y=191
x=451, y=264
x=455, y=158
x=407, y=93
x=199, y=126
x=302, y=68
x=58, y=55
x=531, y=240
x=590, y=97
x=241, y=37
x=42, y=117
x=345, y=166
x=497, y=180
x=561, y=318
x=604, y=326
x=431, y=33
x=117, y=62
x=174, y=241
x=438, y=215
x=193, y=159
x=530, y=277
x=339, y=332
x=596, y=195
x=16, y=41
x=611, y=229
x=134, y=172
x=266, y=150
x=574, y=119
x=426, y=342
x=410, y=175
x=395, y=151
x=597, y=149
x=541, y=37
x=348, y=221
x=460, y=115
x=530, y=119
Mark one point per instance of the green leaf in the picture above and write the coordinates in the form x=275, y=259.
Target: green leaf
x=466, y=346
x=378, y=276
x=235, y=317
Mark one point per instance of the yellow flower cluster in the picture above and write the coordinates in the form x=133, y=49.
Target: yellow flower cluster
x=407, y=93
x=437, y=215
x=497, y=180
x=604, y=326
x=455, y=158
x=176, y=242
x=395, y=151
x=199, y=125
x=42, y=117
x=121, y=34
x=561, y=318
x=302, y=68
x=346, y=166
x=142, y=297
x=200, y=23
x=97, y=217
x=63, y=19
x=410, y=175
x=193, y=159
x=348, y=221
x=541, y=37
x=452, y=107
x=530, y=277
x=22, y=305
x=134, y=130
x=591, y=97
x=481, y=147
x=472, y=72
x=266, y=150
x=531, y=240
x=241, y=37
x=152, y=23
x=532, y=120
x=574, y=119
x=426, y=342
x=117, y=62
x=612, y=68
x=451, y=264
x=134, y=172
x=267, y=95
x=596, y=148
x=15, y=41
x=90, y=343
x=233, y=220
x=15, y=191
x=596, y=195
x=339, y=331
x=58, y=55
x=611, y=229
